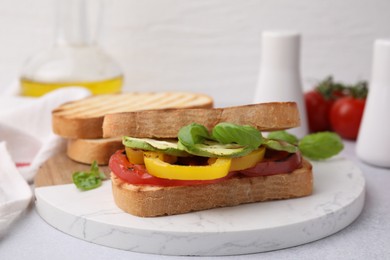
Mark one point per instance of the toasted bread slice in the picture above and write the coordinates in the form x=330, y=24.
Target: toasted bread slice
x=89, y=150
x=150, y=201
x=166, y=123
x=83, y=119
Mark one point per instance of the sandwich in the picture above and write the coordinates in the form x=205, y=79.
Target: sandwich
x=177, y=161
x=80, y=122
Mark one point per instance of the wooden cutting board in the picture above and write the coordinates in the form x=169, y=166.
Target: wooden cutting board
x=59, y=169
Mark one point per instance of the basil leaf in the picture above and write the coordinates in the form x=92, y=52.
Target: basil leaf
x=227, y=133
x=88, y=180
x=193, y=134
x=94, y=168
x=320, y=146
x=280, y=146
x=283, y=136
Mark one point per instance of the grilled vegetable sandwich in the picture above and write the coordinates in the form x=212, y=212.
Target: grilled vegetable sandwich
x=177, y=161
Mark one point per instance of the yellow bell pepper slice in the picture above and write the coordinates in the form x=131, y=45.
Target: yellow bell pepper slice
x=135, y=156
x=245, y=162
x=248, y=161
x=159, y=168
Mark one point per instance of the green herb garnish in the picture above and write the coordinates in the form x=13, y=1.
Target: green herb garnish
x=88, y=180
x=317, y=146
x=231, y=140
x=320, y=146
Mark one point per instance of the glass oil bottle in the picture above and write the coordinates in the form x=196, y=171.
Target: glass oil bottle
x=75, y=59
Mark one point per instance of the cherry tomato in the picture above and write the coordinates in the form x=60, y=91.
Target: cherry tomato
x=317, y=109
x=346, y=115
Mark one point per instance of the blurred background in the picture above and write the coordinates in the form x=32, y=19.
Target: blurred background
x=208, y=46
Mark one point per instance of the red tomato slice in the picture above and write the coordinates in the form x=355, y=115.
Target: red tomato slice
x=281, y=163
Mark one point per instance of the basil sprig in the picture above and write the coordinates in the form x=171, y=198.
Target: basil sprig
x=316, y=146
x=231, y=140
x=88, y=180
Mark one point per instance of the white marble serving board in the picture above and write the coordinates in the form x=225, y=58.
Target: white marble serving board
x=338, y=199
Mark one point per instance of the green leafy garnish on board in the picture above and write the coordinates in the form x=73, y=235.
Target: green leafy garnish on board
x=317, y=146
x=88, y=180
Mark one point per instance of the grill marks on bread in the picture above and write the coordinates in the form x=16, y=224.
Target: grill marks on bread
x=83, y=119
x=107, y=104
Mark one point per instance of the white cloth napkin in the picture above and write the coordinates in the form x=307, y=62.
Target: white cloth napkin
x=26, y=141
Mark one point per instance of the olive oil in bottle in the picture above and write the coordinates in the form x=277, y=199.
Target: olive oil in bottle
x=35, y=89
x=75, y=59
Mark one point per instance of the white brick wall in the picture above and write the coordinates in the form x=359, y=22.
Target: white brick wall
x=210, y=46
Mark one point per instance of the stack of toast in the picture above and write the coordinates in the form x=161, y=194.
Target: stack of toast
x=95, y=126
x=80, y=122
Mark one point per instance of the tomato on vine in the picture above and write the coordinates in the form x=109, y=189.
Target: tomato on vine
x=347, y=112
x=319, y=103
x=317, y=108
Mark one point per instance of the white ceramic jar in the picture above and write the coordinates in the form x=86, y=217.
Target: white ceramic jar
x=373, y=142
x=279, y=78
